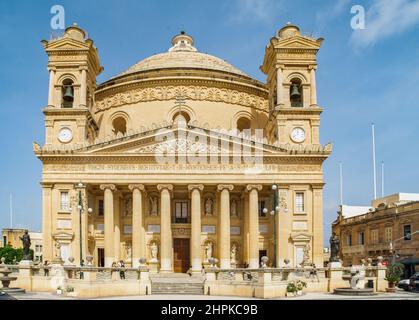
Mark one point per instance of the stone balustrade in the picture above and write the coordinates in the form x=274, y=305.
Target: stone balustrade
x=262, y=283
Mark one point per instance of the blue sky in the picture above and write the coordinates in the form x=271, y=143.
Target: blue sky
x=364, y=76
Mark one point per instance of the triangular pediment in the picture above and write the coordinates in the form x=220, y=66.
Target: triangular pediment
x=67, y=43
x=298, y=43
x=180, y=141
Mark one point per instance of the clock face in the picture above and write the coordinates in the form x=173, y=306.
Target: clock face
x=298, y=135
x=65, y=135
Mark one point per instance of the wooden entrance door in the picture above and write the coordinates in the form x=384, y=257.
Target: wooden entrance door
x=181, y=260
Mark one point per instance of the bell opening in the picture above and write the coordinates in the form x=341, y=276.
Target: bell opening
x=296, y=97
x=67, y=94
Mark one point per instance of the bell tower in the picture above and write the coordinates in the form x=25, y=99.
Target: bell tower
x=290, y=64
x=73, y=66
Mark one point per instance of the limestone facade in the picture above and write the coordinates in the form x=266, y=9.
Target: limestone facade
x=382, y=231
x=157, y=185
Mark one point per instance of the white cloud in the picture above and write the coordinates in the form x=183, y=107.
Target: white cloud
x=386, y=18
x=326, y=14
x=261, y=10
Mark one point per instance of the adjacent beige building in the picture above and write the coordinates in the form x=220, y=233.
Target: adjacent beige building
x=177, y=157
x=388, y=228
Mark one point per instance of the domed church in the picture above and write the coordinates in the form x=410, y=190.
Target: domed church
x=183, y=161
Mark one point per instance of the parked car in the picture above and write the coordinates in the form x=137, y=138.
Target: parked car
x=411, y=284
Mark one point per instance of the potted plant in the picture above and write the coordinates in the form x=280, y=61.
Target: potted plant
x=291, y=289
x=394, y=272
x=70, y=292
x=300, y=285
x=59, y=290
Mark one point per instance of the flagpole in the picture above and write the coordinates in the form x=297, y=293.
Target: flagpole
x=382, y=179
x=341, y=183
x=11, y=210
x=373, y=162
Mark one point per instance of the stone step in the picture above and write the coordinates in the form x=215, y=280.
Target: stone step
x=175, y=286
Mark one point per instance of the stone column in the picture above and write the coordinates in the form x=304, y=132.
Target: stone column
x=279, y=87
x=51, y=88
x=195, y=251
x=47, y=251
x=117, y=228
x=283, y=227
x=83, y=88
x=313, y=89
x=317, y=221
x=109, y=227
x=224, y=223
x=246, y=229
x=253, y=225
x=166, y=241
x=138, y=234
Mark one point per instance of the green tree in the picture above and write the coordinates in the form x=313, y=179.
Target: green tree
x=13, y=255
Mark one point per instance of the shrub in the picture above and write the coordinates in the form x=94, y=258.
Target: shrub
x=13, y=255
x=394, y=273
x=291, y=287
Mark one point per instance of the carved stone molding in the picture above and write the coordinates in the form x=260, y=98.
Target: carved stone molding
x=229, y=187
x=164, y=93
x=104, y=187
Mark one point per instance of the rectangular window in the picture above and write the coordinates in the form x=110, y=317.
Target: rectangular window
x=262, y=205
x=181, y=212
x=101, y=208
x=349, y=240
x=65, y=201
x=299, y=202
x=361, y=238
x=4, y=241
x=389, y=234
x=407, y=232
x=374, y=236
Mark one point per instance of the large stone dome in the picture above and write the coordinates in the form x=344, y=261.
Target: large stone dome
x=183, y=55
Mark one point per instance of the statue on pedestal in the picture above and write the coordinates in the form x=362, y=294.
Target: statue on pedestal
x=306, y=258
x=153, y=206
x=233, y=253
x=208, y=206
x=208, y=251
x=154, y=251
x=26, y=241
x=233, y=208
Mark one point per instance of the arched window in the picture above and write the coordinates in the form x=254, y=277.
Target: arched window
x=119, y=125
x=296, y=93
x=243, y=123
x=180, y=114
x=67, y=94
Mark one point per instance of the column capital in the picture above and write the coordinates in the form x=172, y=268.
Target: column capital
x=104, y=187
x=221, y=187
x=312, y=67
x=251, y=187
x=317, y=185
x=133, y=187
x=47, y=185
x=162, y=187
x=191, y=187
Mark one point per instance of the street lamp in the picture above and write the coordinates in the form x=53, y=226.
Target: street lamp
x=80, y=186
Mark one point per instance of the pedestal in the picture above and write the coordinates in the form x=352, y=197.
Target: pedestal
x=57, y=274
x=153, y=266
